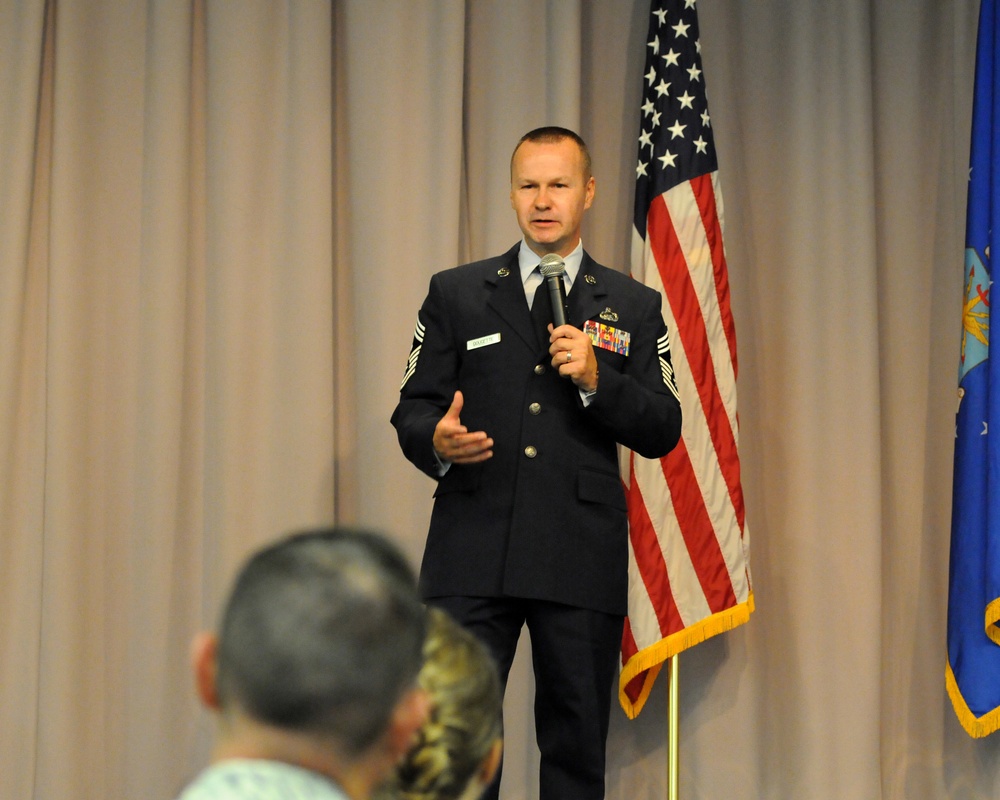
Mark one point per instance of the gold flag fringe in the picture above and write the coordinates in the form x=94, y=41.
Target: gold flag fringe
x=651, y=658
x=977, y=727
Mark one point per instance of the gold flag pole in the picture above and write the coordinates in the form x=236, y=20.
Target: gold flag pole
x=673, y=728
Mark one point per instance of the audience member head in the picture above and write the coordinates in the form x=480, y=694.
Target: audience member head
x=317, y=654
x=457, y=750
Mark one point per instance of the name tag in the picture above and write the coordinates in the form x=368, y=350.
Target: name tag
x=482, y=341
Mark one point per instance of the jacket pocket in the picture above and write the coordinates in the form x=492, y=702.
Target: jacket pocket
x=601, y=487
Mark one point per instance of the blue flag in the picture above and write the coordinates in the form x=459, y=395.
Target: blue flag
x=973, y=671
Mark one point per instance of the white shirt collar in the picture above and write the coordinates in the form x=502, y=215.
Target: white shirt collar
x=527, y=260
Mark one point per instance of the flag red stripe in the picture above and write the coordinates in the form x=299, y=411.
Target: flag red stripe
x=633, y=689
x=704, y=194
x=629, y=647
x=649, y=560
x=696, y=527
x=683, y=299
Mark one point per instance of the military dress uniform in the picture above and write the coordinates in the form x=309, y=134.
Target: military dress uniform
x=540, y=529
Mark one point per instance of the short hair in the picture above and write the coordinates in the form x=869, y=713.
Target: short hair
x=322, y=634
x=550, y=134
x=460, y=678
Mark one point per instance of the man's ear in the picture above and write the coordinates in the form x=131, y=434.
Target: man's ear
x=491, y=763
x=204, y=651
x=410, y=713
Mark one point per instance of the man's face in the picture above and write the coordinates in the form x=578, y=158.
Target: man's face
x=549, y=193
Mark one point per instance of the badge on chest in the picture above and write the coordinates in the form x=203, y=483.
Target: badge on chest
x=608, y=338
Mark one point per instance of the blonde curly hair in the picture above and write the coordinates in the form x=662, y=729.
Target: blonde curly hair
x=464, y=723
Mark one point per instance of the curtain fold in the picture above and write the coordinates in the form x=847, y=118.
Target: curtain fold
x=218, y=223
x=25, y=138
x=169, y=313
x=813, y=161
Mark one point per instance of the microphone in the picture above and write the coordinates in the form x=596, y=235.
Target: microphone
x=553, y=268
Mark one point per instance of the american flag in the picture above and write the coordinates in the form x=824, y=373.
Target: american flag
x=689, y=546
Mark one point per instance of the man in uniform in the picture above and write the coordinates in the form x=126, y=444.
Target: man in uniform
x=519, y=422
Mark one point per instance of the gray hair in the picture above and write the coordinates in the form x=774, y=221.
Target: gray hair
x=322, y=634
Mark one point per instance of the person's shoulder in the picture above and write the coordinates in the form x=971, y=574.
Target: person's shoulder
x=614, y=279
x=237, y=779
x=484, y=267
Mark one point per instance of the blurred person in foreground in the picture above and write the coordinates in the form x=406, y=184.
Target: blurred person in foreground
x=313, y=672
x=457, y=750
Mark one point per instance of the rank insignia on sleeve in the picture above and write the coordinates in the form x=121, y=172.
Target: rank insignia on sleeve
x=411, y=361
x=604, y=336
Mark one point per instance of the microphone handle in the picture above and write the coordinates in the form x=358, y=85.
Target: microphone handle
x=557, y=295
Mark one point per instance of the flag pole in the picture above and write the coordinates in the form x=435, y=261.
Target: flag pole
x=673, y=727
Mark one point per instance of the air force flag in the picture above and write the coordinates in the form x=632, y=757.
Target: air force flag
x=973, y=670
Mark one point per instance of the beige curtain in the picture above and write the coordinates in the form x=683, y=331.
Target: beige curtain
x=217, y=221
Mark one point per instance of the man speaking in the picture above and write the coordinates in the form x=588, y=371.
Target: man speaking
x=518, y=421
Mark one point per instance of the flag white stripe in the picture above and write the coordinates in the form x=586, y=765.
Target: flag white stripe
x=698, y=441
x=684, y=583
x=690, y=231
x=642, y=615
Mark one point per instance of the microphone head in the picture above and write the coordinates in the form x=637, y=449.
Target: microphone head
x=552, y=264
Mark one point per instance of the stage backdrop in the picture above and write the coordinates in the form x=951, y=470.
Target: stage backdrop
x=217, y=221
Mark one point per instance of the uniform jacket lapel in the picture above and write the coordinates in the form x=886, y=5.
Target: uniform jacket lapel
x=507, y=297
x=588, y=297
